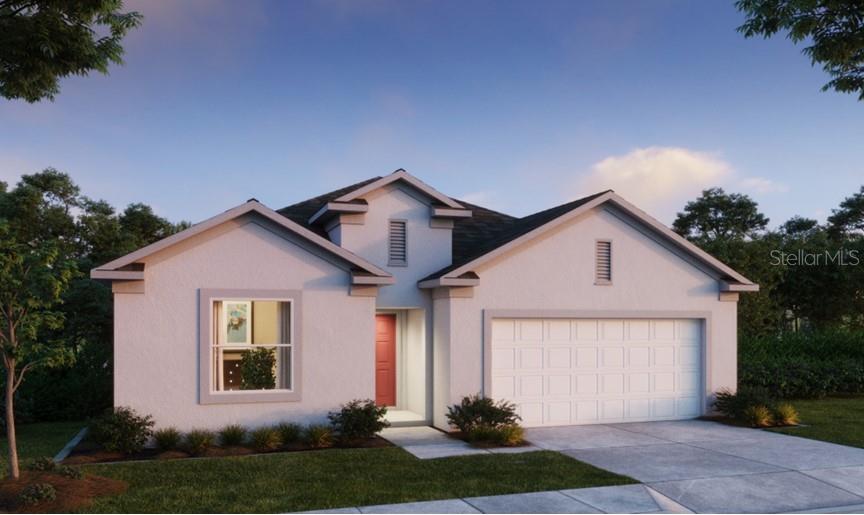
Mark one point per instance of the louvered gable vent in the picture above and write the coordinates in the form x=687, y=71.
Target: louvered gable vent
x=603, y=262
x=398, y=243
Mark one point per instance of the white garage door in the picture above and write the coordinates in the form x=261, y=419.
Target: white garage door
x=580, y=371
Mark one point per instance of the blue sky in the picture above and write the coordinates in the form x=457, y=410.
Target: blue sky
x=514, y=105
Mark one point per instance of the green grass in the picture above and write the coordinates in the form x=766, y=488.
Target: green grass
x=39, y=439
x=335, y=478
x=836, y=419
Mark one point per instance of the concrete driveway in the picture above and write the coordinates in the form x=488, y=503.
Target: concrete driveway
x=710, y=467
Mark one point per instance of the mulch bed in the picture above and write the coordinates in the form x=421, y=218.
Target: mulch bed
x=89, y=452
x=72, y=494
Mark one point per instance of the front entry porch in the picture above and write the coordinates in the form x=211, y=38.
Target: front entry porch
x=402, y=359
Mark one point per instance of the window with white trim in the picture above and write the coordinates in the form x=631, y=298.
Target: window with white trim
x=252, y=345
x=603, y=262
x=398, y=243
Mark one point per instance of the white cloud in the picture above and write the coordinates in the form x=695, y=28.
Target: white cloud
x=657, y=179
x=761, y=185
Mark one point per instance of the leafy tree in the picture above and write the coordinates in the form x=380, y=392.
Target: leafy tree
x=718, y=216
x=139, y=226
x=42, y=41
x=35, y=274
x=835, y=29
x=849, y=217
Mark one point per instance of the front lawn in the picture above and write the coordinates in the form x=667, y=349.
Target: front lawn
x=335, y=478
x=837, y=420
x=39, y=439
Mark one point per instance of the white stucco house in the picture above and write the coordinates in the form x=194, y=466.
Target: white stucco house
x=588, y=312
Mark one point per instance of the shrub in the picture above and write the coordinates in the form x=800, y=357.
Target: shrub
x=198, y=441
x=477, y=410
x=70, y=472
x=232, y=435
x=122, y=429
x=758, y=415
x=358, y=420
x=510, y=435
x=805, y=364
x=289, y=433
x=37, y=492
x=319, y=436
x=735, y=405
x=167, y=439
x=507, y=435
x=265, y=438
x=42, y=464
x=257, y=370
x=786, y=415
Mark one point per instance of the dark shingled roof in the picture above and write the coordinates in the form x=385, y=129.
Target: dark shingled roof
x=301, y=212
x=473, y=237
x=508, y=230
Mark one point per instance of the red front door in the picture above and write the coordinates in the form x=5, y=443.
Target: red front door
x=385, y=360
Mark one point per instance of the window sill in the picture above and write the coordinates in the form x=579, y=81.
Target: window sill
x=602, y=283
x=248, y=397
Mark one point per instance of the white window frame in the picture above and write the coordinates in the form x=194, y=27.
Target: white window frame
x=206, y=393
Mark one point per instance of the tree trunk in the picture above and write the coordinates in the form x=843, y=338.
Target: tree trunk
x=14, y=473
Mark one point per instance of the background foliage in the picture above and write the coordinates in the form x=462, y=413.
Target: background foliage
x=49, y=206
x=802, y=334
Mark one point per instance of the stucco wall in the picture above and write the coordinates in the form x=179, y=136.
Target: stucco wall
x=429, y=249
x=556, y=272
x=156, y=340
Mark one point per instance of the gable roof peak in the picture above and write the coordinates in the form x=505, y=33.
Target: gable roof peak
x=401, y=175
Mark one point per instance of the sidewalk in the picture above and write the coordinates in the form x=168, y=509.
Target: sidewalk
x=606, y=499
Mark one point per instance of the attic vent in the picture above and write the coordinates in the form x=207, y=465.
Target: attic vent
x=603, y=262
x=398, y=244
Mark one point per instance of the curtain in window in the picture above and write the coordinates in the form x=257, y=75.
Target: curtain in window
x=217, y=352
x=285, y=337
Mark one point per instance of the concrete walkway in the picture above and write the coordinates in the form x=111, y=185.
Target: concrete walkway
x=607, y=499
x=428, y=443
x=714, y=468
x=692, y=465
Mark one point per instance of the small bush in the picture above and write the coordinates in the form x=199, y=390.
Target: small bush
x=198, y=441
x=758, y=415
x=122, y=429
x=232, y=435
x=735, y=405
x=42, y=464
x=358, y=420
x=289, y=433
x=70, y=472
x=511, y=435
x=507, y=435
x=476, y=410
x=265, y=438
x=319, y=436
x=785, y=414
x=167, y=439
x=37, y=492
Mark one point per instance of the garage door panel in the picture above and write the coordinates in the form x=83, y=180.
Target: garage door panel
x=559, y=357
x=530, y=330
x=531, y=358
x=581, y=371
x=586, y=357
x=586, y=330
